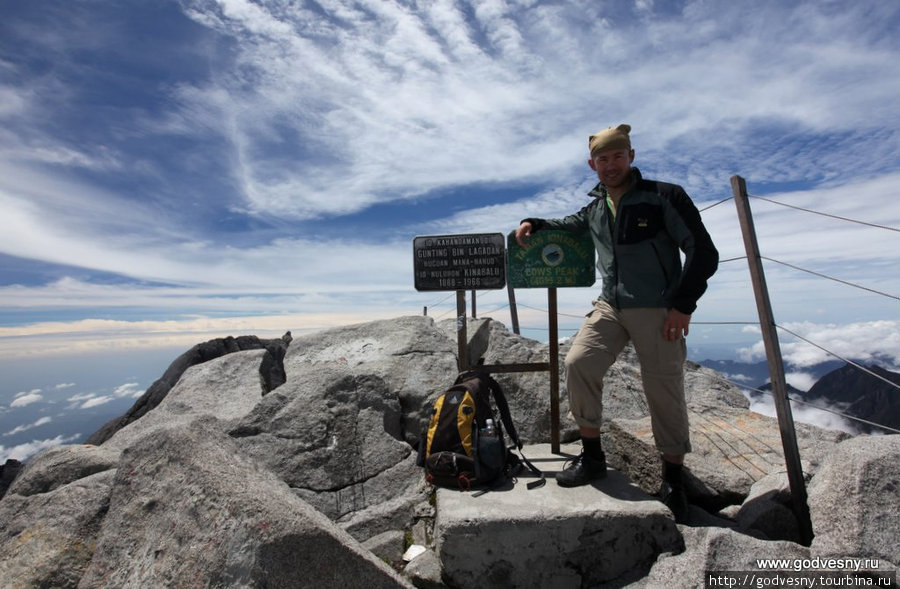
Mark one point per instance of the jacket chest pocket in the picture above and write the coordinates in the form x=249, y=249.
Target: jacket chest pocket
x=639, y=222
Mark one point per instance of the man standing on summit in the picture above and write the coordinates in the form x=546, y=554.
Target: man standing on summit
x=639, y=228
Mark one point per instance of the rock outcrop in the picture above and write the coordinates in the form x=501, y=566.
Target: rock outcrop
x=8, y=473
x=187, y=508
x=215, y=478
x=271, y=374
x=847, y=499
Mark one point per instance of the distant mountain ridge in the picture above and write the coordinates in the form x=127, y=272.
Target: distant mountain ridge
x=756, y=374
x=838, y=384
x=861, y=394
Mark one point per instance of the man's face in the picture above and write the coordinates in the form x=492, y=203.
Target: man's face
x=612, y=166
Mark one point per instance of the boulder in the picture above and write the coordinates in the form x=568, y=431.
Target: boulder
x=478, y=336
x=8, y=473
x=704, y=387
x=608, y=532
x=61, y=465
x=425, y=571
x=227, y=388
x=388, y=546
x=270, y=370
x=854, y=499
x=732, y=449
x=335, y=437
x=414, y=359
x=769, y=519
x=189, y=509
x=711, y=550
x=223, y=481
x=47, y=538
x=767, y=511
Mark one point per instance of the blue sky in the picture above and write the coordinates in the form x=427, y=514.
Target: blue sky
x=176, y=171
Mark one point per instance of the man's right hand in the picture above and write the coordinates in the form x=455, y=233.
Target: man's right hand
x=523, y=233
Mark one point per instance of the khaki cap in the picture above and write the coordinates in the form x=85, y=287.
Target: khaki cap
x=610, y=138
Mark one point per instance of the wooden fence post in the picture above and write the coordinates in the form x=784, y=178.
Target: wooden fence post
x=776, y=365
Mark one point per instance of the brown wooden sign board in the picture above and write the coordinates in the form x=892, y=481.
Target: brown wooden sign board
x=460, y=262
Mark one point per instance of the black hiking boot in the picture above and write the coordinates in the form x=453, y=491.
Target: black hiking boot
x=677, y=503
x=582, y=470
x=676, y=500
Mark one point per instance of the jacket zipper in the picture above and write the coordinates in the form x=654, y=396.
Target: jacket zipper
x=613, y=222
x=661, y=267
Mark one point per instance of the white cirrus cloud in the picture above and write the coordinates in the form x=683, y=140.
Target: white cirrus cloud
x=869, y=341
x=129, y=389
x=97, y=401
x=24, y=398
x=25, y=427
x=24, y=451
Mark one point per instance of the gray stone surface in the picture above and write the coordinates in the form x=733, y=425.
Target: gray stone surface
x=62, y=465
x=335, y=436
x=528, y=393
x=425, y=571
x=732, y=449
x=226, y=388
x=47, y=538
x=188, y=509
x=551, y=537
x=271, y=374
x=713, y=549
x=767, y=511
x=854, y=500
x=388, y=546
x=414, y=359
x=271, y=490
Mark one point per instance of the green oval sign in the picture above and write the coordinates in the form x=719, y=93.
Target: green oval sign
x=552, y=259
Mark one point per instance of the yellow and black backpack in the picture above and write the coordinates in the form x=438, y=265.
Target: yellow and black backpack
x=464, y=445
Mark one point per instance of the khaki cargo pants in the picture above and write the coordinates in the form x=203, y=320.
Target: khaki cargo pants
x=602, y=337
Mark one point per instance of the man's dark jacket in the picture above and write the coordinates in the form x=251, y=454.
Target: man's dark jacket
x=639, y=249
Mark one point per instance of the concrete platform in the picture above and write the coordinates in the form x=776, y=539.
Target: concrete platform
x=599, y=535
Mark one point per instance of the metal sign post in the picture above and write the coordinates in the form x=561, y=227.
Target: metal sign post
x=479, y=261
x=460, y=263
x=552, y=259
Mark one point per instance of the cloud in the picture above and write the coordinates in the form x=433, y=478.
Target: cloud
x=64, y=385
x=870, y=341
x=129, y=389
x=286, y=179
x=413, y=99
x=89, y=400
x=81, y=397
x=23, y=399
x=55, y=338
x=803, y=413
x=802, y=381
x=24, y=451
x=97, y=401
x=22, y=428
x=738, y=378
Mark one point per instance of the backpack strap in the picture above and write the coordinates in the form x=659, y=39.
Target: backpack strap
x=499, y=400
x=506, y=418
x=542, y=480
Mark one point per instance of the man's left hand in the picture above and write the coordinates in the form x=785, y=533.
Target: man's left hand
x=676, y=325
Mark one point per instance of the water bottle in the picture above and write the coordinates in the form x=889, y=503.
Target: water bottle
x=489, y=428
